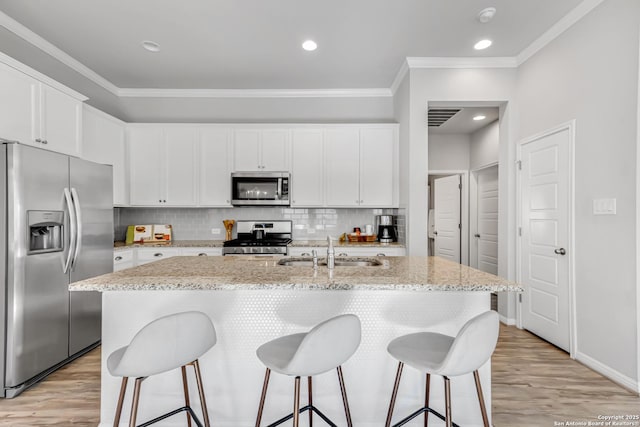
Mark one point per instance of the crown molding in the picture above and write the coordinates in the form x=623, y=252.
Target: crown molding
x=409, y=63
x=557, y=29
x=17, y=65
x=462, y=62
x=404, y=69
x=42, y=44
x=254, y=93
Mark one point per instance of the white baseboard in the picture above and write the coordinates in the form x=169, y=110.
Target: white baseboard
x=507, y=321
x=608, y=372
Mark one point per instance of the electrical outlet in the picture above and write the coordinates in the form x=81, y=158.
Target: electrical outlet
x=311, y=231
x=215, y=231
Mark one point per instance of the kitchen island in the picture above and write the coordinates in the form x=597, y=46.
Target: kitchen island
x=253, y=300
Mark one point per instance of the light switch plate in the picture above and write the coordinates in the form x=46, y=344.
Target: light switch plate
x=215, y=231
x=604, y=206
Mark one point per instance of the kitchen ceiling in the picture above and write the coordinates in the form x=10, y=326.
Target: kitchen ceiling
x=256, y=44
x=462, y=122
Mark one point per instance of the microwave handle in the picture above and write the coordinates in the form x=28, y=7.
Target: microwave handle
x=278, y=189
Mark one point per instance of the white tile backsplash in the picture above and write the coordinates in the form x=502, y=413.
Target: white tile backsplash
x=196, y=223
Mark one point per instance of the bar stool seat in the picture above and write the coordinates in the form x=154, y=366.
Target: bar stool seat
x=325, y=347
x=167, y=343
x=447, y=356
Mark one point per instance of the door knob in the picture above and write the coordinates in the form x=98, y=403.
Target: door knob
x=560, y=251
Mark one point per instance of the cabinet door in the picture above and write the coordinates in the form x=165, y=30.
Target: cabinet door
x=215, y=170
x=274, y=150
x=103, y=141
x=307, y=168
x=146, y=166
x=204, y=251
x=61, y=118
x=342, y=168
x=180, y=162
x=376, y=167
x=246, y=150
x=18, y=106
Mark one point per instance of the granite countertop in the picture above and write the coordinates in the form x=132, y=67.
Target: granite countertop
x=263, y=273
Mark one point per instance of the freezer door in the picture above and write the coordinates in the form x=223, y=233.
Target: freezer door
x=37, y=309
x=92, y=192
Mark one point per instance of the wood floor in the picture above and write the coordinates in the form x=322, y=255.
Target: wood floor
x=534, y=384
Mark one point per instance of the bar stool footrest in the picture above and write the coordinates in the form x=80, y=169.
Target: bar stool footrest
x=303, y=409
x=420, y=411
x=172, y=413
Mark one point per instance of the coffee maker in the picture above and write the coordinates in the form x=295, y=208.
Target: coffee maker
x=387, y=230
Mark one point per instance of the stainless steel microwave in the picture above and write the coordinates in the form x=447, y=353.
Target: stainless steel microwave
x=260, y=188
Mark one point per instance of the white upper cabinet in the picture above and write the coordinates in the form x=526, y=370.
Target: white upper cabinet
x=146, y=166
x=261, y=150
x=180, y=166
x=215, y=171
x=307, y=175
x=342, y=154
x=377, y=164
x=361, y=166
x=103, y=141
x=37, y=114
x=162, y=166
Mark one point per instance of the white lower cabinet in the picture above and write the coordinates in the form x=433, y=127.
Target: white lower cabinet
x=123, y=259
x=201, y=252
x=147, y=255
x=139, y=256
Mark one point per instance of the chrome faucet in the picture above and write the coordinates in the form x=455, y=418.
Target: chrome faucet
x=314, y=253
x=331, y=254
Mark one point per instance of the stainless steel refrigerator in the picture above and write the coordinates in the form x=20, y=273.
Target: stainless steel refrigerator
x=56, y=227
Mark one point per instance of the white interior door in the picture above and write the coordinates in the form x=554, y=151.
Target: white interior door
x=545, y=217
x=487, y=220
x=447, y=217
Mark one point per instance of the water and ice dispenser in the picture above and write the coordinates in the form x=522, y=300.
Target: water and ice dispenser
x=45, y=231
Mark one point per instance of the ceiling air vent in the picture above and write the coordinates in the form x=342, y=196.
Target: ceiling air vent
x=438, y=116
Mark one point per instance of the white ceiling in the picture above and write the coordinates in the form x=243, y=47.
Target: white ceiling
x=462, y=122
x=255, y=44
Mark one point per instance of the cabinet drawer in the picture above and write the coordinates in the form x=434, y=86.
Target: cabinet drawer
x=148, y=255
x=206, y=251
x=122, y=256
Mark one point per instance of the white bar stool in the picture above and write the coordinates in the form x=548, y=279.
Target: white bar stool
x=327, y=346
x=447, y=356
x=167, y=343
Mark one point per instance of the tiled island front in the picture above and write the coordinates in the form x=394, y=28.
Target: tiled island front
x=253, y=300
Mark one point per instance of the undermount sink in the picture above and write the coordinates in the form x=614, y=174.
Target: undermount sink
x=340, y=262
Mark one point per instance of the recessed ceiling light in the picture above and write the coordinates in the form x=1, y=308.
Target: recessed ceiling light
x=479, y=117
x=486, y=15
x=151, y=46
x=309, y=45
x=482, y=44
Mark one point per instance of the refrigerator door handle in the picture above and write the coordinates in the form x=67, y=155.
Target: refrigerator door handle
x=73, y=230
x=78, y=245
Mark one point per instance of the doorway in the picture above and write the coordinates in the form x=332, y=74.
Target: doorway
x=545, y=236
x=484, y=204
x=448, y=215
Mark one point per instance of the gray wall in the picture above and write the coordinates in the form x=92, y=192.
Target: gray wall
x=590, y=74
x=449, y=151
x=484, y=148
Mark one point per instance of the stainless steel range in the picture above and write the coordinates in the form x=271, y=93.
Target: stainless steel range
x=260, y=238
